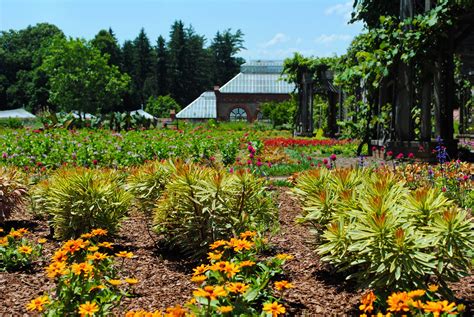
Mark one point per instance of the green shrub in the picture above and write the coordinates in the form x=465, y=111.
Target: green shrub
x=16, y=251
x=13, y=192
x=370, y=223
x=78, y=200
x=201, y=205
x=147, y=182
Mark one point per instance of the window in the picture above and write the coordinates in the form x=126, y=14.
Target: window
x=238, y=114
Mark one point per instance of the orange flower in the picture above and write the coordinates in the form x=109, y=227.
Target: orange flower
x=115, y=282
x=25, y=249
x=214, y=256
x=86, y=235
x=42, y=240
x=280, y=285
x=416, y=293
x=73, y=246
x=3, y=241
x=84, y=267
x=248, y=234
x=93, y=288
x=124, y=254
x=225, y=309
x=218, y=244
x=210, y=292
x=200, y=269
x=23, y=231
x=88, y=309
x=37, y=303
x=97, y=256
x=368, y=302
x=198, y=278
x=15, y=234
x=176, y=311
x=131, y=281
x=107, y=245
x=284, y=256
x=56, y=269
x=230, y=269
x=238, y=287
x=240, y=244
x=93, y=249
x=436, y=308
x=399, y=302
x=274, y=308
x=60, y=256
x=433, y=288
x=99, y=232
x=246, y=263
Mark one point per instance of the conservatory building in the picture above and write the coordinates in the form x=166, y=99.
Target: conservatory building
x=240, y=98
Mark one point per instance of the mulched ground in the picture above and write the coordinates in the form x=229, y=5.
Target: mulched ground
x=164, y=277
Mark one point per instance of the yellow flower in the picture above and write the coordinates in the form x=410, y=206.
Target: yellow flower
x=198, y=278
x=416, y=293
x=279, y=285
x=93, y=249
x=461, y=308
x=107, y=245
x=210, y=292
x=37, y=303
x=15, y=234
x=200, y=269
x=176, y=311
x=240, y=244
x=433, y=288
x=248, y=234
x=60, y=256
x=56, y=269
x=238, y=287
x=398, y=302
x=246, y=263
x=23, y=231
x=436, y=308
x=84, y=267
x=225, y=309
x=124, y=254
x=73, y=246
x=131, y=281
x=86, y=235
x=99, y=232
x=1, y=229
x=115, y=282
x=367, y=302
x=284, y=256
x=3, y=241
x=25, y=249
x=97, y=256
x=192, y=301
x=217, y=244
x=88, y=309
x=42, y=240
x=93, y=288
x=214, y=256
x=274, y=308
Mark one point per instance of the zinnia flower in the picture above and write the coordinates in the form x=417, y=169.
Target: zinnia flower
x=217, y=244
x=398, y=302
x=274, y=308
x=280, y=285
x=56, y=269
x=25, y=249
x=88, y=309
x=246, y=263
x=97, y=256
x=238, y=287
x=225, y=309
x=131, y=281
x=367, y=302
x=124, y=254
x=99, y=232
x=84, y=267
x=284, y=256
x=200, y=269
x=433, y=288
x=210, y=292
x=42, y=240
x=198, y=278
x=115, y=282
x=37, y=303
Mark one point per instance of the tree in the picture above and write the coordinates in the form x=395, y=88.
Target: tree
x=142, y=65
x=223, y=48
x=178, y=60
x=81, y=78
x=161, y=68
x=161, y=106
x=280, y=113
x=106, y=42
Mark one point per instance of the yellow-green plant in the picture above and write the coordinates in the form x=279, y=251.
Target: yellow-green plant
x=16, y=251
x=201, y=205
x=78, y=200
x=13, y=192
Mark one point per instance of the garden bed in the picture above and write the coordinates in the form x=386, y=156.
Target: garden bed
x=164, y=278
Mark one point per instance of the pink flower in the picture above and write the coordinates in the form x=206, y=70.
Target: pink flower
x=443, y=189
x=411, y=155
x=231, y=170
x=328, y=166
x=374, y=148
x=465, y=177
x=251, y=155
x=249, y=162
x=269, y=164
x=4, y=155
x=325, y=161
x=212, y=158
x=390, y=153
x=259, y=163
x=333, y=157
x=400, y=156
x=309, y=158
x=95, y=162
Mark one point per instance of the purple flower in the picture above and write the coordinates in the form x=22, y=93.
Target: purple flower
x=231, y=170
x=4, y=155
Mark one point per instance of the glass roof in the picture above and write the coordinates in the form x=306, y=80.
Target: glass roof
x=204, y=107
x=262, y=67
x=258, y=84
x=16, y=113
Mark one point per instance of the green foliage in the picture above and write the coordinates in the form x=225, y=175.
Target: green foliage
x=16, y=251
x=280, y=113
x=12, y=123
x=79, y=200
x=13, y=192
x=370, y=223
x=81, y=78
x=229, y=152
x=201, y=205
x=147, y=183
x=223, y=48
x=161, y=106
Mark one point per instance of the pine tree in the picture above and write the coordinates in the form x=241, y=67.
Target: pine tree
x=142, y=65
x=224, y=47
x=161, y=68
x=177, y=58
x=107, y=43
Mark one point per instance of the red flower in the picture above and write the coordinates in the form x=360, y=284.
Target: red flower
x=95, y=162
x=325, y=161
x=333, y=157
x=390, y=153
x=400, y=156
x=411, y=155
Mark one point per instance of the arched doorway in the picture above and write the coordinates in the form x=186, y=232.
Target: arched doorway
x=238, y=114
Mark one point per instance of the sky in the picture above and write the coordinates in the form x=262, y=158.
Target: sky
x=273, y=29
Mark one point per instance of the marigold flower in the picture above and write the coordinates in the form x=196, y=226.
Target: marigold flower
x=25, y=249
x=56, y=268
x=210, y=292
x=246, y=263
x=124, y=254
x=240, y=244
x=399, y=302
x=218, y=244
x=274, y=308
x=131, y=281
x=88, y=309
x=280, y=285
x=200, y=269
x=284, y=256
x=248, y=234
x=107, y=245
x=115, y=282
x=97, y=256
x=37, y=303
x=433, y=288
x=237, y=287
x=83, y=267
x=99, y=232
x=367, y=302
x=198, y=278
x=42, y=240
x=225, y=309
x=214, y=256
x=60, y=256
x=416, y=293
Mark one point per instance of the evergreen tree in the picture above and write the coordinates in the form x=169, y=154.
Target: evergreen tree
x=142, y=65
x=178, y=61
x=224, y=48
x=161, y=71
x=106, y=42
x=130, y=99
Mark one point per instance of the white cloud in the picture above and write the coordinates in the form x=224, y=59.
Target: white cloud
x=331, y=38
x=299, y=40
x=339, y=9
x=277, y=39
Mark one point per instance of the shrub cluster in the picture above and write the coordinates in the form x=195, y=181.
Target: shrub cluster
x=16, y=251
x=12, y=192
x=370, y=224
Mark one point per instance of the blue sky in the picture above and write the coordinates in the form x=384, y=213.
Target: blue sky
x=273, y=29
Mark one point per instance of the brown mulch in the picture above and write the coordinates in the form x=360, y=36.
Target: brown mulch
x=164, y=277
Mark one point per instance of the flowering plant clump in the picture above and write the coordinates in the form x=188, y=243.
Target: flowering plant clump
x=13, y=192
x=418, y=302
x=235, y=282
x=16, y=251
x=87, y=278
